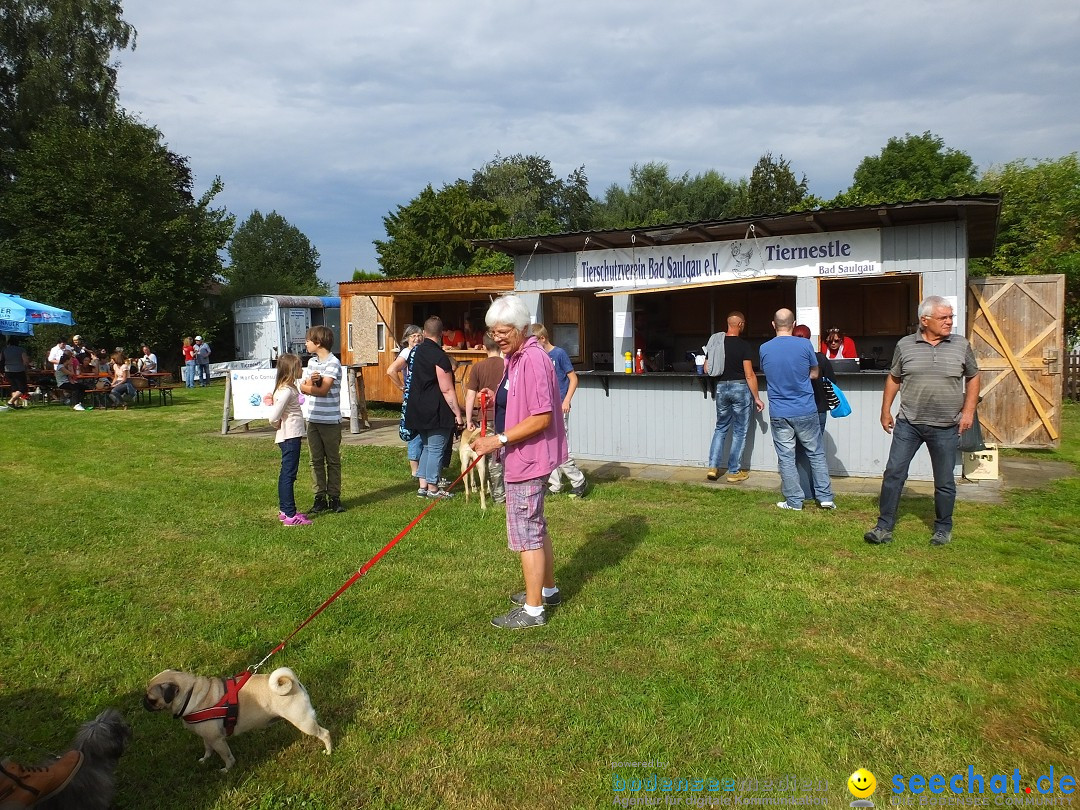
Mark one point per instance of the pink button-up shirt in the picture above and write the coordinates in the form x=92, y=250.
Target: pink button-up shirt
x=533, y=389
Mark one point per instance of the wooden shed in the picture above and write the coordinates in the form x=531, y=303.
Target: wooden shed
x=374, y=314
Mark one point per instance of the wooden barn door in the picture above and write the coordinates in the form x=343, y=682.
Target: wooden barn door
x=1015, y=325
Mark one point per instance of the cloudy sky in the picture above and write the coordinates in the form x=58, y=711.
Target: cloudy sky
x=334, y=112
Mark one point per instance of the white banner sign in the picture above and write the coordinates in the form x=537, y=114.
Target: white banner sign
x=843, y=254
x=253, y=393
x=250, y=387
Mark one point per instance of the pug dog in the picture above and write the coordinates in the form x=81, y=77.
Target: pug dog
x=263, y=699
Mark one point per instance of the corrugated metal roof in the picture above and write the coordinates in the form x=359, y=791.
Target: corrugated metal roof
x=979, y=211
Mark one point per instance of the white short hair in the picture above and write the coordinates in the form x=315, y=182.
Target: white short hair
x=932, y=302
x=509, y=309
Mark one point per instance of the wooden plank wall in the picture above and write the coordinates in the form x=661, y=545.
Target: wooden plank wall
x=1072, y=377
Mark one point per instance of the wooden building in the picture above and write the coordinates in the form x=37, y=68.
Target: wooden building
x=375, y=313
x=863, y=270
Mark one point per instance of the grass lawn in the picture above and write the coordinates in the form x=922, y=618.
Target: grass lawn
x=703, y=631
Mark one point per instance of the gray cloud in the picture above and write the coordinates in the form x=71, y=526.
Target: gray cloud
x=333, y=113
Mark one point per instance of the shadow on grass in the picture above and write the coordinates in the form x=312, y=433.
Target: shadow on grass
x=160, y=767
x=377, y=495
x=603, y=548
x=920, y=507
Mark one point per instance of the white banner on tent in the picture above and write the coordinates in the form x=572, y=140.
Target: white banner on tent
x=840, y=254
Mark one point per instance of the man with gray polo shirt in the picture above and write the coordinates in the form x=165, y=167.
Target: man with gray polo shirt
x=937, y=377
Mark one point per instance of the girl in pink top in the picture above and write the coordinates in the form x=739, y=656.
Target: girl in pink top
x=529, y=432
x=285, y=415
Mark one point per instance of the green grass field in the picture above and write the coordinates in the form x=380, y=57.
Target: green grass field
x=703, y=631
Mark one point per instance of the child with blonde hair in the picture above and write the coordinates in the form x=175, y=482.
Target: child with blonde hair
x=285, y=415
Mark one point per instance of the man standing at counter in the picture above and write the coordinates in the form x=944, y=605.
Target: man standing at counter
x=929, y=370
x=789, y=364
x=727, y=361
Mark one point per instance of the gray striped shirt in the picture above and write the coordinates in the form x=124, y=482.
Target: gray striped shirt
x=932, y=378
x=324, y=410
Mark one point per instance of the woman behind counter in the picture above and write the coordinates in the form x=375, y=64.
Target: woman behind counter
x=838, y=346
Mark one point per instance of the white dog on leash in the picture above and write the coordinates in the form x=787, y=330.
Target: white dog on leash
x=468, y=455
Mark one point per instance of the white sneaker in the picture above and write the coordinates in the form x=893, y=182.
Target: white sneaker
x=79, y=407
x=827, y=505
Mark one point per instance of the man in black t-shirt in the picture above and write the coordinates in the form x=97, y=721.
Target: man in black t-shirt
x=433, y=407
x=736, y=388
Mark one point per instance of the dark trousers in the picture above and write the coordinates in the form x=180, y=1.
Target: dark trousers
x=74, y=391
x=942, y=443
x=290, y=464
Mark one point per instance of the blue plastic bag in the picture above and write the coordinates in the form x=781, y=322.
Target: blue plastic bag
x=844, y=408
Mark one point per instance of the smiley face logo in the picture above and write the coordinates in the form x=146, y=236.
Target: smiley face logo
x=862, y=784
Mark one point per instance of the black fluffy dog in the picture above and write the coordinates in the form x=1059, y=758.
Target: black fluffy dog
x=102, y=742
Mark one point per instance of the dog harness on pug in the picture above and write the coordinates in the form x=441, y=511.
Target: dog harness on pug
x=227, y=709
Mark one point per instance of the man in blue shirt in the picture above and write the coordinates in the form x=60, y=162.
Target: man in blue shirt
x=568, y=383
x=789, y=363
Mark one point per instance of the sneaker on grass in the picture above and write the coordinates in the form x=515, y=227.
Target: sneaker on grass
x=878, y=536
x=299, y=519
x=579, y=491
x=549, y=601
x=940, y=538
x=518, y=619
x=786, y=505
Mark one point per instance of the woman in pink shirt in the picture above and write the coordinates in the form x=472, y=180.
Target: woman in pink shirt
x=533, y=443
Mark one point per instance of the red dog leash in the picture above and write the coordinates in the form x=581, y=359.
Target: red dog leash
x=364, y=569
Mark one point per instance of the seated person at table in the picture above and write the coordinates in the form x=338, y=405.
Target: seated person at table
x=66, y=373
x=121, y=386
x=838, y=346
x=81, y=351
x=102, y=363
x=148, y=361
x=453, y=338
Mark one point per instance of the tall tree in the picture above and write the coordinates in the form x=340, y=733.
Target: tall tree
x=55, y=54
x=532, y=199
x=773, y=188
x=430, y=236
x=654, y=197
x=102, y=221
x=914, y=167
x=270, y=256
x=1039, y=229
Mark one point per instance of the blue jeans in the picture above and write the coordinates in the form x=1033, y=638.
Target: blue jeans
x=415, y=447
x=124, y=389
x=733, y=405
x=802, y=462
x=942, y=443
x=204, y=374
x=431, y=458
x=786, y=434
x=189, y=373
x=290, y=463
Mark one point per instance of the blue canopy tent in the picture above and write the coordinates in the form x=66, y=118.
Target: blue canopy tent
x=18, y=316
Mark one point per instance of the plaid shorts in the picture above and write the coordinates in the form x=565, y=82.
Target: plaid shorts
x=526, y=527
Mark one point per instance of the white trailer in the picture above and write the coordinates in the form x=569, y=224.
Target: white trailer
x=267, y=326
